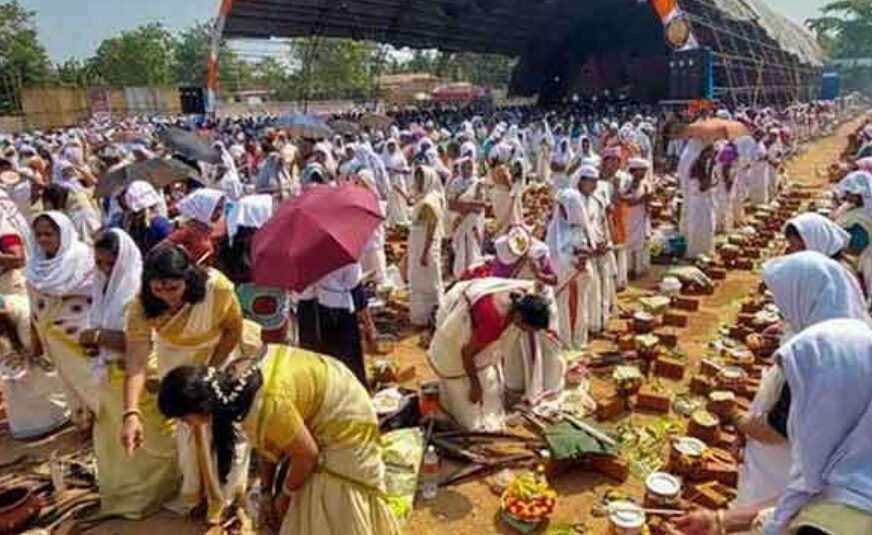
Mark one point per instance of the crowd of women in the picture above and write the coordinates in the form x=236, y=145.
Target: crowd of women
x=806, y=462
x=126, y=311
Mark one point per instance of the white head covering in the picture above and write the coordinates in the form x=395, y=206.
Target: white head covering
x=200, y=204
x=858, y=183
x=829, y=371
x=810, y=288
x=141, y=195
x=638, y=163
x=71, y=271
x=251, y=211
x=110, y=295
x=820, y=234
x=10, y=214
x=573, y=214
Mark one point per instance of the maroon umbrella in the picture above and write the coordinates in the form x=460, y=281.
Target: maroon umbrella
x=320, y=231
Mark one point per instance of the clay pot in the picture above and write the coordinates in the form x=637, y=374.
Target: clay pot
x=17, y=507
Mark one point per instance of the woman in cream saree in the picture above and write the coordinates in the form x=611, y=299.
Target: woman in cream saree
x=186, y=316
x=59, y=277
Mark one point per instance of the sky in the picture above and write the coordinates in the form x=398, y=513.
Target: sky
x=74, y=28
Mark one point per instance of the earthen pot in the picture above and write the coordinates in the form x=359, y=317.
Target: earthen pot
x=18, y=506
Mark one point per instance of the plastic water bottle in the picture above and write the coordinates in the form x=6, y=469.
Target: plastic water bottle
x=253, y=503
x=430, y=474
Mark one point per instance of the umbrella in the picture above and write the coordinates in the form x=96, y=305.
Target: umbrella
x=301, y=125
x=314, y=234
x=189, y=145
x=344, y=127
x=159, y=172
x=715, y=129
x=375, y=121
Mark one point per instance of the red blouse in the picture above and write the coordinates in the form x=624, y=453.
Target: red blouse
x=488, y=324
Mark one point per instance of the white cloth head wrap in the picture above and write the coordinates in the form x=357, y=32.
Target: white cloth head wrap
x=251, y=211
x=111, y=295
x=820, y=234
x=71, y=271
x=141, y=195
x=810, y=288
x=829, y=373
x=200, y=204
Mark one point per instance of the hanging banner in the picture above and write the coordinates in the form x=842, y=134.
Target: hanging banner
x=676, y=24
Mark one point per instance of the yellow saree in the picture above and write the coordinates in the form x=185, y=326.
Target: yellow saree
x=346, y=494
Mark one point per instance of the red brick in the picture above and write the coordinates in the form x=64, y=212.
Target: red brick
x=669, y=368
x=653, y=401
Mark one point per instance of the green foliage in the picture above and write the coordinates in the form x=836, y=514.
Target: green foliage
x=844, y=28
x=313, y=68
x=333, y=68
x=23, y=60
x=139, y=57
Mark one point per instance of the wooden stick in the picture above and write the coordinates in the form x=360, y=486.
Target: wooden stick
x=602, y=437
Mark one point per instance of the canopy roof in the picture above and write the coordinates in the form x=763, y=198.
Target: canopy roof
x=509, y=27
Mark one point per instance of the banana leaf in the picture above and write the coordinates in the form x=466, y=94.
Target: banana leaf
x=568, y=442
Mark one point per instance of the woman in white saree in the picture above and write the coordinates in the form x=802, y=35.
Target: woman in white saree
x=476, y=324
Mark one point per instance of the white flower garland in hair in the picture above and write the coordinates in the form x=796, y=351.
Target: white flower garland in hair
x=212, y=377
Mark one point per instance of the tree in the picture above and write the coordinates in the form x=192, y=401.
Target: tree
x=140, y=57
x=192, y=50
x=76, y=73
x=845, y=28
x=333, y=68
x=22, y=56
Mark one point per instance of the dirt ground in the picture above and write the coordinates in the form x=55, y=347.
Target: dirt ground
x=470, y=509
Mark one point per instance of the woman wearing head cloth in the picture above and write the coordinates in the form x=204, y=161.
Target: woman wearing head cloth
x=758, y=176
x=35, y=401
x=569, y=242
x=636, y=193
x=508, y=187
x=814, y=232
x=130, y=487
x=560, y=161
x=465, y=196
x=586, y=151
x=145, y=218
x=746, y=147
x=425, y=247
x=398, y=197
x=700, y=199
x=855, y=216
x=59, y=276
x=829, y=487
x=533, y=369
x=266, y=306
x=373, y=258
x=808, y=288
x=203, y=211
x=725, y=171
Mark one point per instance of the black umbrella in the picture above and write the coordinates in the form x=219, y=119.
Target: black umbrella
x=344, y=127
x=159, y=172
x=189, y=145
x=306, y=126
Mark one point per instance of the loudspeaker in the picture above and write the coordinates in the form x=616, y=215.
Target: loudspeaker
x=831, y=84
x=193, y=100
x=690, y=75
